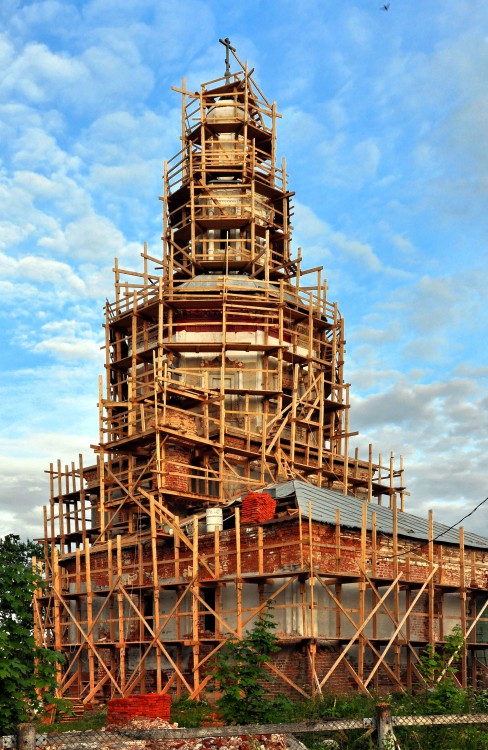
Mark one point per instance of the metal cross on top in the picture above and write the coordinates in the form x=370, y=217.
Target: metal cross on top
x=228, y=48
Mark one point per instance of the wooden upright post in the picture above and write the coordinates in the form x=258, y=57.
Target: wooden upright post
x=238, y=574
x=462, y=605
x=384, y=727
x=431, y=610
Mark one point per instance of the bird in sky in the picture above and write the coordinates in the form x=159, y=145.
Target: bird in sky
x=385, y=6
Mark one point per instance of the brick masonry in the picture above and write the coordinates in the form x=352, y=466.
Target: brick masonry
x=152, y=706
x=257, y=507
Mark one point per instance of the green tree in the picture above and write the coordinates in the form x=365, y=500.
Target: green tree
x=239, y=669
x=436, y=666
x=27, y=671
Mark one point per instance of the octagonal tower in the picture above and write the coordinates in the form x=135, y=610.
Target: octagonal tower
x=226, y=372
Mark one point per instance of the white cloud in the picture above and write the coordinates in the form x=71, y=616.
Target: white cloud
x=37, y=149
x=6, y=51
x=95, y=236
x=68, y=340
x=309, y=227
x=442, y=430
x=336, y=113
x=66, y=348
x=121, y=135
x=42, y=270
x=358, y=27
x=93, y=80
x=358, y=252
x=25, y=485
x=39, y=75
x=307, y=223
x=404, y=245
x=299, y=127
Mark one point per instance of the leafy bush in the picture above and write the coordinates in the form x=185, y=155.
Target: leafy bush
x=190, y=713
x=434, y=662
x=332, y=706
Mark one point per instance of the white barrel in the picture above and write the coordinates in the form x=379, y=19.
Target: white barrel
x=214, y=519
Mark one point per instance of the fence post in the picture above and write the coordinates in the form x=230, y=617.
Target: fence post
x=384, y=727
x=26, y=736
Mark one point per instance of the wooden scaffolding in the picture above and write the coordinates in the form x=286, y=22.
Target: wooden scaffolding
x=224, y=375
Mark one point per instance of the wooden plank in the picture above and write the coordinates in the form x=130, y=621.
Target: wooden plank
x=395, y=561
x=174, y=612
x=362, y=587
x=168, y=518
x=120, y=613
x=91, y=647
x=248, y=730
x=271, y=598
x=214, y=612
x=338, y=538
x=142, y=329
x=431, y=597
x=311, y=577
x=87, y=640
x=260, y=551
x=273, y=668
x=195, y=608
x=468, y=633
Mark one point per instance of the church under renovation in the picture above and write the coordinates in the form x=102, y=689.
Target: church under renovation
x=223, y=479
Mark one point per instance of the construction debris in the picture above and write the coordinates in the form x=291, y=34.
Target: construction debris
x=257, y=507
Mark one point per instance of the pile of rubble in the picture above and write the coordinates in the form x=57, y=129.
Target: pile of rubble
x=259, y=742
x=140, y=723
x=137, y=734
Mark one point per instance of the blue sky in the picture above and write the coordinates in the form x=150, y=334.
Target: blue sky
x=385, y=130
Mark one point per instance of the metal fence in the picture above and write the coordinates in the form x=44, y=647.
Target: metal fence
x=273, y=736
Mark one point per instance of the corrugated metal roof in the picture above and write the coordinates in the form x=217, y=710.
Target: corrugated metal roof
x=325, y=502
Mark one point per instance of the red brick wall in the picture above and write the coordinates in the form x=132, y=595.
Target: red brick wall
x=152, y=706
x=176, y=468
x=294, y=662
x=283, y=554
